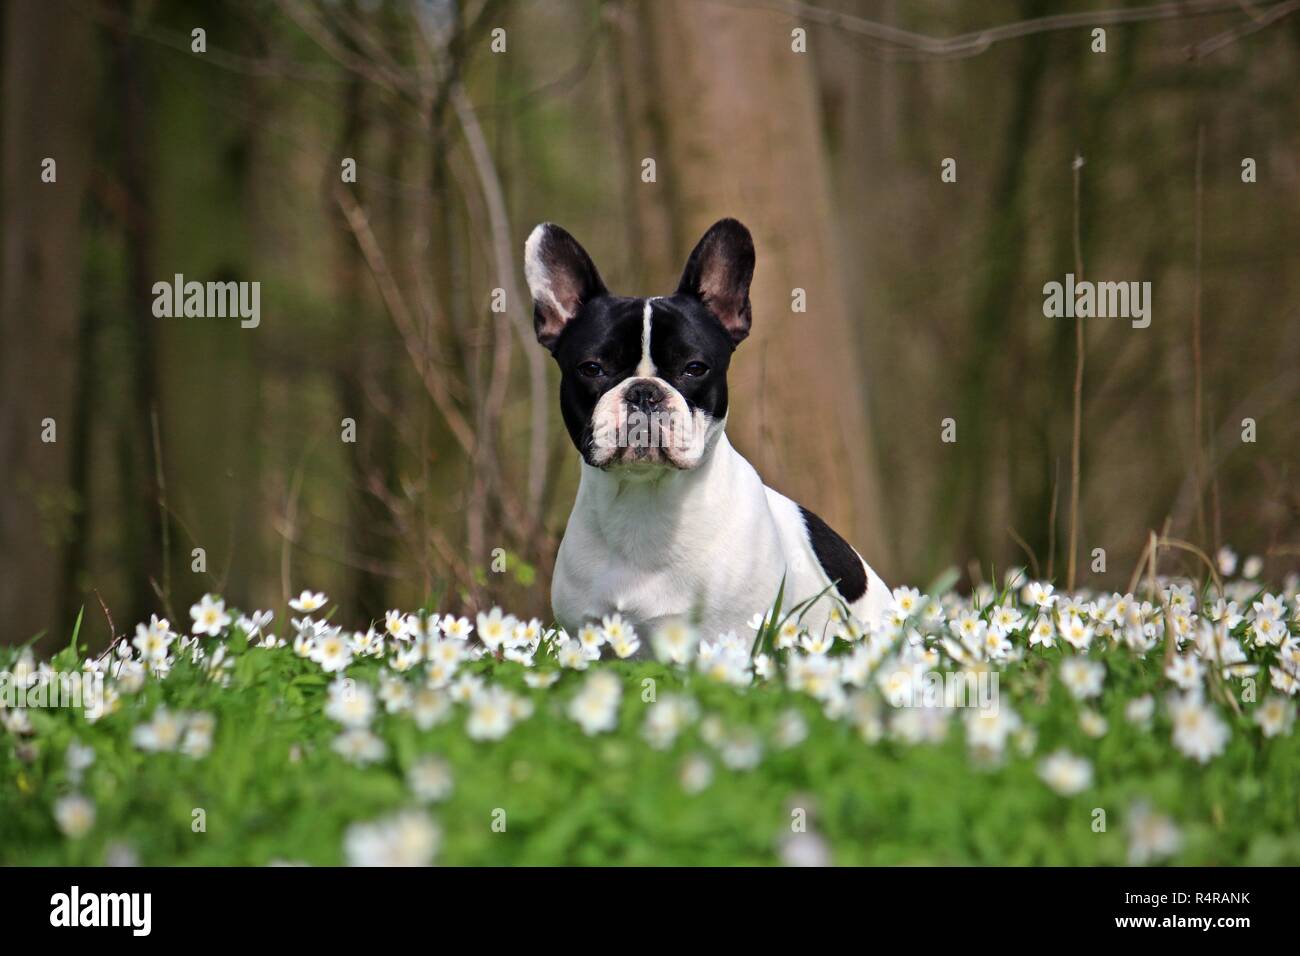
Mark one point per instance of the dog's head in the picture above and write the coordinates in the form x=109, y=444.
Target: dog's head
x=643, y=381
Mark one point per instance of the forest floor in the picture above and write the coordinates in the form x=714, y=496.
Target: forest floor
x=1072, y=733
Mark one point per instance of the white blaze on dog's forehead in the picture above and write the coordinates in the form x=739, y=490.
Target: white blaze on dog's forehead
x=536, y=273
x=646, y=368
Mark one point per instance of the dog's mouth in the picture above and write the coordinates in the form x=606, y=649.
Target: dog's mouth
x=639, y=458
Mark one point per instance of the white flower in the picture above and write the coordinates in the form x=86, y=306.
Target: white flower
x=430, y=779
x=162, y=732
x=726, y=660
x=1043, y=632
x=121, y=854
x=199, y=731
x=490, y=714
x=465, y=688
x=696, y=774
x=1092, y=723
x=817, y=643
x=1039, y=594
x=75, y=815
x=1225, y=612
x=1151, y=836
x=741, y=749
x=308, y=602
x=1082, y=677
x=969, y=628
x=399, y=625
x=457, y=628
x=920, y=725
x=494, y=628
x=360, y=746
x=252, y=624
x=332, y=652
x=541, y=680
x=1198, y=730
x=1065, y=773
x=1253, y=566
x=1005, y=619
x=906, y=601
x=304, y=643
x=153, y=640
x=614, y=628
x=1075, y=631
x=625, y=644
x=666, y=718
x=350, y=703
x=79, y=758
x=988, y=730
x=1186, y=672
x=367, y=643
x=675, y=642
x=406, y=839
x=805, y=849
x=595, y=706
x=791, y=729
x=210, y=616
x=1140, y=710
x=430, y=707
x=394, y=693
x=572, y=656
x=1275, y=716
x=1267, y=629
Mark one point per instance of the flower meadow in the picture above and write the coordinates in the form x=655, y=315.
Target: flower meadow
x=1014, y=725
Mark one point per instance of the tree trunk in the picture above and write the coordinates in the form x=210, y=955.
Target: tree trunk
x=745, y=140
x=46, y=64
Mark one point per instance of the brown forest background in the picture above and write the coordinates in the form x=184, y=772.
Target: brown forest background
x=924, y=298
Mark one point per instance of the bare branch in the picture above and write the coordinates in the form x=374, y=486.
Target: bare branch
x=906, y=42
x=402, y=318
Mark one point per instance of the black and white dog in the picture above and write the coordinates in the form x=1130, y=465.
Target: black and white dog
x=670, y=521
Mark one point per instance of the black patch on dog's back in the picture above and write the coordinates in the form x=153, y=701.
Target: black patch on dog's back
x=836, y=556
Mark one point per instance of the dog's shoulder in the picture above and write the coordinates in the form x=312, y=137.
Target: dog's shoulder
x=837, y=558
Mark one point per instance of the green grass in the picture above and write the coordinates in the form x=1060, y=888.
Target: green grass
x=272, y=789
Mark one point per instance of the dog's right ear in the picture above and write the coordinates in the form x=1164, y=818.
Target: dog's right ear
x=561, y=277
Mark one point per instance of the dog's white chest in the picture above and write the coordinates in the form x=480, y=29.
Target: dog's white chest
x=713, y=546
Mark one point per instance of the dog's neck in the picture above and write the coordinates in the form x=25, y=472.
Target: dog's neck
x=640, y=511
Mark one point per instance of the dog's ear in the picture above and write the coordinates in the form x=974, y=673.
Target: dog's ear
x=718, y=274
x=561, y=277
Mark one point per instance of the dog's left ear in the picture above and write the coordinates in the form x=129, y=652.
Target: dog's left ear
x=718, y=274
x=562, y=279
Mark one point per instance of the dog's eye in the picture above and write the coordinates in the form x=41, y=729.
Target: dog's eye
x=695, y=369
x=591, y=370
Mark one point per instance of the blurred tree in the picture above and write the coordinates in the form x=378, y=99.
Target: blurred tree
x=740, y=135
x=47, y=59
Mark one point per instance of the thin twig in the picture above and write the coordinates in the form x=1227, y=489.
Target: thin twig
x=1051, y=519
x=165, y=594
x=499, y=224
x=1024, y=546
x=1077, y=433
x=113, y=637
x=1198, y=465
x=359, y=224
x=1257, y=22
x=972, y=44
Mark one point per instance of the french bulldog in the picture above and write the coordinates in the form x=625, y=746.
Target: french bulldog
x=671, y=523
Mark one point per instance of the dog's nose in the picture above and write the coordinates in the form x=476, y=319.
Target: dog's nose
x=644, y=395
